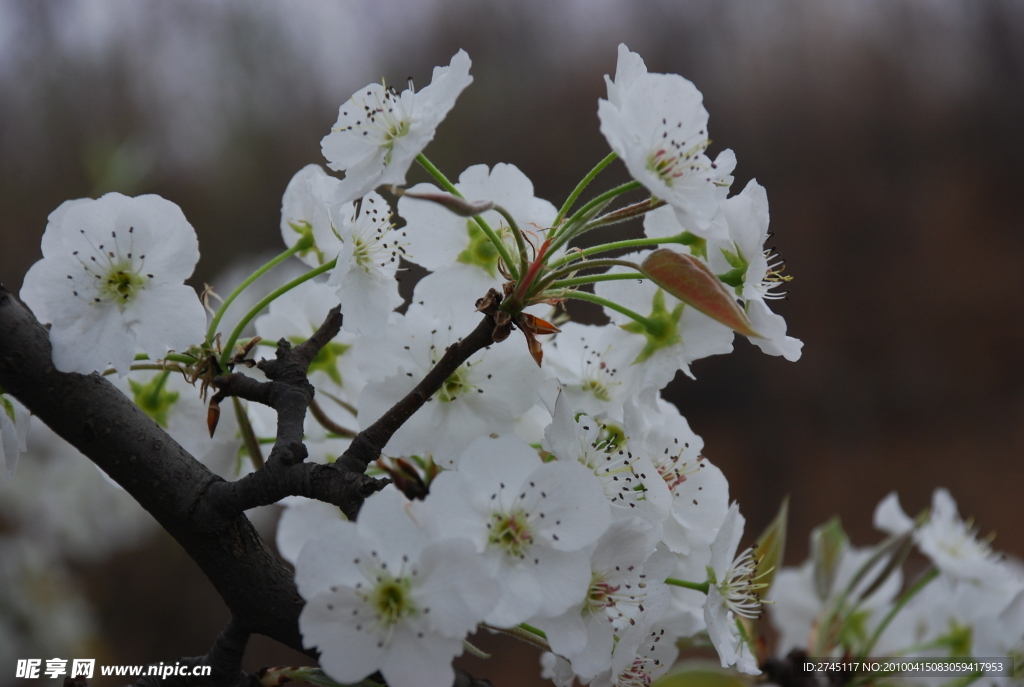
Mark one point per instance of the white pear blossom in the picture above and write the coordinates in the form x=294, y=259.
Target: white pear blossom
x=642, y=655
x=700, y=492
x=302, y=520
x=950, y=543
x=14, y=422
x=484, y=396
x=531, y=522
x=594, y=368
x=368, y=250
x=678, y=334
x=306, y=212
x=556, y=669
x=380, y=595
x=111, y=282
x=739, y=257
x=463, y=262
x=798, y=605
x=732, y=592
x=380, y=132
x=758, y=270
x=630, y=482
x=626, y=586
x=658, y=126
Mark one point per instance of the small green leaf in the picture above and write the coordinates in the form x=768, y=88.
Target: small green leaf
x=689, y=279
x=828, y=546
x=771, y=546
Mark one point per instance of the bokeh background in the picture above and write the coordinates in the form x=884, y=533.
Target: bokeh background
x=888, y=133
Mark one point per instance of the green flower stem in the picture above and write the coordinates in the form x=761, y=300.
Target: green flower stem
x=584, y=296
x=579, y=281
x=569, y=232
x=499, y=245
x=147, y=366
x=525, y=633
x=591, y=175
x=907, y=596
x=576, y=267
x=270, y=298
x=617, y=245
x=212, y=331
x=520, y=241
x=530, y=628
x=685, y=584
x=174, y=357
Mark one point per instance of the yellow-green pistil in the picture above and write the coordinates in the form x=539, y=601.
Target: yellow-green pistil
x=456, y=385
x=511, y=533
x=121, y=282
x=392, y=599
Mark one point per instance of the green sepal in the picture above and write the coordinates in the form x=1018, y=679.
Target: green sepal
x=480, y=251
x=306, y=242
x=771, y=546
x=153, y=398
x=698, y=246
x=660, y=328
x=828, y=546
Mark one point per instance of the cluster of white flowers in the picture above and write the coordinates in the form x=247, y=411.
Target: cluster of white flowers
x=567, y=501
x=568, y=492
x=847, y=601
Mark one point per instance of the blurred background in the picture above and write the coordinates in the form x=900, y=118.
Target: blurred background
x=889, y=135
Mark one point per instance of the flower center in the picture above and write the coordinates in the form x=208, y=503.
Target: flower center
x=392, y=600
x=671, y=159
x=456, y=385
x=120, y=282
x=673, y=469
x=511, y=533
x=381, y=116
x=739, y=587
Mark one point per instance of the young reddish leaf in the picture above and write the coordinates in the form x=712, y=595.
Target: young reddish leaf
x=536, y=325
x=690, y=280
x=212, y=417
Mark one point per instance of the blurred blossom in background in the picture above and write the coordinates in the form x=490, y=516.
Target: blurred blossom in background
x=887, y=134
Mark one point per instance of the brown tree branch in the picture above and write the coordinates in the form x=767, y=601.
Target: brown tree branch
x=105, y=425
